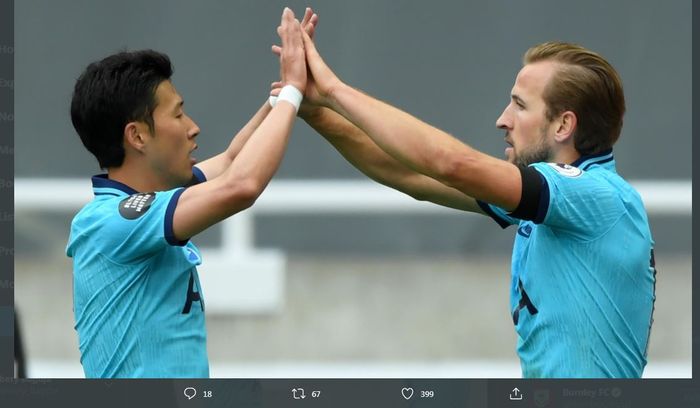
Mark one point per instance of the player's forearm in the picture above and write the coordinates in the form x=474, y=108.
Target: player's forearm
x=246, y=131
x=240, y=184
x=260, y=157
x=430, y=151
x=215, y=166
x=414, y=143
x=346, y=138
x=357, y=148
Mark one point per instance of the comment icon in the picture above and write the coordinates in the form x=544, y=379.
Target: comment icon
x=190, y=392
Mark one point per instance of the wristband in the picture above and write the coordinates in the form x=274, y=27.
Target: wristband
x=272, y=100
x=290, y=94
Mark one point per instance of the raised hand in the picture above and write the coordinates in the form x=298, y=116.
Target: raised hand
x=311, y=99
x=322, y=78
x=308, y=24
x=292, y=60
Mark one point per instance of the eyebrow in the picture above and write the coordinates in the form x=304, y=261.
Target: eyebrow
x=518, y=99
x=178, y=105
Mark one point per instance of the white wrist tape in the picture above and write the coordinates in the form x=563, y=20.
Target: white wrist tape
x=290, y=94
x=272, y=100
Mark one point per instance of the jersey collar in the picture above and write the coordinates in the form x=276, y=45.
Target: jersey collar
x=103, y=185
x=604, y=159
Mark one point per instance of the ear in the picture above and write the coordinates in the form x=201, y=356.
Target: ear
x=565, y=126
x=135, y=136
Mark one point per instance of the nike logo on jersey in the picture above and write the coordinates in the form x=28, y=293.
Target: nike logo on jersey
x=525, y=230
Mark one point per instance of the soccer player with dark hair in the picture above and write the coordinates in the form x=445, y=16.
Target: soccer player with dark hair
x=138, y=304
x=583, y=275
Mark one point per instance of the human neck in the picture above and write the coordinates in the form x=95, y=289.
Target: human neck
x=568, y=158
x=137, y=177
x=566, y=155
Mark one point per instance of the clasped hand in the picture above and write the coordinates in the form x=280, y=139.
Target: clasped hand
x=318, y=80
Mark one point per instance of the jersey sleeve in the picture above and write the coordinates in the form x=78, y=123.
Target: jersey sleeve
x=197, y=177
x=139, y=225
x=579, y=203
x=498, y=214
x=534, y=193
x=130, y=227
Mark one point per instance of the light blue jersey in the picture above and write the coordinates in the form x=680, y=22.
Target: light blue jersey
x=583, y=276
x=138, y=305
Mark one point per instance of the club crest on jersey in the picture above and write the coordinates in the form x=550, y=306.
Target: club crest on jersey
x=136, y=205
x=192, y=255
x=566, y=170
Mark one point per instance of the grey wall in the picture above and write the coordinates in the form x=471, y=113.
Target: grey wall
x=450, y=63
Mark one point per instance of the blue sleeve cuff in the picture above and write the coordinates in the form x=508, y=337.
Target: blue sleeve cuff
x=543, y=205
x=534, y=200
x=198, y=174
x=487, y=209
x=168, y=224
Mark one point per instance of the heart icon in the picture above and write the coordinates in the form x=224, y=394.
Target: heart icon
x=407, y=393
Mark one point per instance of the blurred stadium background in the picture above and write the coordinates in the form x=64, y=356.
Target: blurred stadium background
x=331, y=276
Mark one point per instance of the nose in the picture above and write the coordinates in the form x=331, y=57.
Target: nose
x=504, y=121
x=193, y=129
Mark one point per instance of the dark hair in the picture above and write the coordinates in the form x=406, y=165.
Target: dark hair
x=587, y=85
x=113, y=92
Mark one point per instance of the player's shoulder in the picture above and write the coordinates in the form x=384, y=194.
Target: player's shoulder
x=135, y=205
x=559, y=170
x=124, y=207
x=572, y=181
x=91, y=221
x=567, y=175
x=594, y=187
x=108, y=209
x=99, y=207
